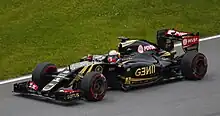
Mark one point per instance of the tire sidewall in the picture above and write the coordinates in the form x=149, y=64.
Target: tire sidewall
x=188, y=62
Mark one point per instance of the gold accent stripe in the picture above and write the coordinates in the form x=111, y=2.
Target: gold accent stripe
x=141, y=79
x=90, y=68
x=166, y=54
x=81, y=73
x=83, y=70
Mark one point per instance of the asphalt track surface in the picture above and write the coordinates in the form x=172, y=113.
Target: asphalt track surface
x=184, y=98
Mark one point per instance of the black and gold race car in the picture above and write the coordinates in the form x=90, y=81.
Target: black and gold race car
x=141, y=63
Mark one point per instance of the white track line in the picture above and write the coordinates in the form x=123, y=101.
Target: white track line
x=29, y=76
x=20, y=78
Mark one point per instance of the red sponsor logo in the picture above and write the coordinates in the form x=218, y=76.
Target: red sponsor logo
x=33, y=86
x=149, y=47
x=142, y=49
x=70, y=91
x=110, y=59
x=190, y=41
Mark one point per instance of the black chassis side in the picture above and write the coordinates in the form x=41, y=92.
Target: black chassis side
x=144, y=69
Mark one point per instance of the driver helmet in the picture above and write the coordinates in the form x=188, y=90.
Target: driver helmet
x=89, y=57
x=113, y=56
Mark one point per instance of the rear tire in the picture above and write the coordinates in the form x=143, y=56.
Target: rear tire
x=94, y=86
x=39, y=74
x=194, y=65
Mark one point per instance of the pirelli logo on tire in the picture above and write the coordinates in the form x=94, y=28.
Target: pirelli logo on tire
x=144, y=71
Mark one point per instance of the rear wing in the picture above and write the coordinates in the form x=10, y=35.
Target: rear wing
x=166, y=38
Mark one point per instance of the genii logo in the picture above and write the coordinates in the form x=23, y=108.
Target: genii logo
x=143, y=71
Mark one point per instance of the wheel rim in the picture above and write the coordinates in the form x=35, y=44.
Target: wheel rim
x=98, y=88
x=50, y=69
x=200, y=67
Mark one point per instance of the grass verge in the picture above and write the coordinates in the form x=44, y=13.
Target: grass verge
x=33, y=31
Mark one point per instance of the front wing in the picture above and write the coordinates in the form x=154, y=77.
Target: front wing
x=29, y=88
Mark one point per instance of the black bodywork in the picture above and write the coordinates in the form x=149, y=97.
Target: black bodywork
x=142, y=63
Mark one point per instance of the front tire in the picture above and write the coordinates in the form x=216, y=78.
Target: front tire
x=94, y=86
x=194, y=65
x=39, y=74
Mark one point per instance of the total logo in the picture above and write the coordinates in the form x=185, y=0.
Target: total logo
x=142, y=49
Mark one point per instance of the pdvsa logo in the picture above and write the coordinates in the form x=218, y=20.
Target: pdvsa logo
x=142, y=48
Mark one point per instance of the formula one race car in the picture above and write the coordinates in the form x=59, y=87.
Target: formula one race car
x=139, y=62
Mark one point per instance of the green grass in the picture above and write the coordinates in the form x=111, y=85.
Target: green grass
x=33, y=31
